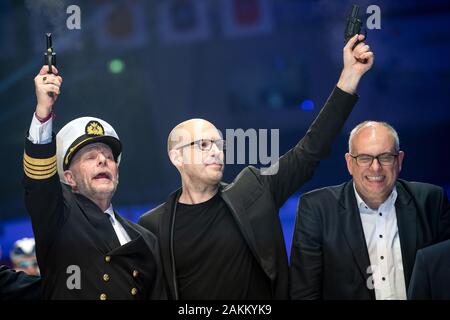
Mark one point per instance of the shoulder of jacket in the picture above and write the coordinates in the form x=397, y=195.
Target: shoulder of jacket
x=152, y=214
x=420, y=187
x=332, y=192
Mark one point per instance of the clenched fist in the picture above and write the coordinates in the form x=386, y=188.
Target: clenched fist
x=357, y=61
x=45, y=83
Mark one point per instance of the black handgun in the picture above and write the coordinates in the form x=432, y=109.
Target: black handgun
x=49, y=57
x=354, y=24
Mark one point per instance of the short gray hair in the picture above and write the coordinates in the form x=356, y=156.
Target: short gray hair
x=356, y=129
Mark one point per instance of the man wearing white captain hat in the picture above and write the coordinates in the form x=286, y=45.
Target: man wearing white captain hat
x=85, y=250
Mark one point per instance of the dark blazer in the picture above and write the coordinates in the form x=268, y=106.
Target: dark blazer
x=329, y=256
x=74, y=236
x=18, y=285
x=254, y=199
x=431, y=275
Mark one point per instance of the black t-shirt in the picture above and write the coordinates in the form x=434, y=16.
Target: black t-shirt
x=212, y=259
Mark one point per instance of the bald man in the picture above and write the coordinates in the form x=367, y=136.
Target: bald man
x=223, y=241
x=359, y=240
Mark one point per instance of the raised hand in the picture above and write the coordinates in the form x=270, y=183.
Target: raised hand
x=44, y=84
x=357, y=61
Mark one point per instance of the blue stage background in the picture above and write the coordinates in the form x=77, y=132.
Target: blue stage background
x=145, y=66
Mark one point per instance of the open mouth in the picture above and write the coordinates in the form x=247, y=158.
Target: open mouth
x=102, y=175
x=375, y=179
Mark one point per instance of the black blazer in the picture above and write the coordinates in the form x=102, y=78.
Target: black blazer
x=72, y=232
x=431, y=275
x=254, y=199
x=18, y=285
x=329, y=256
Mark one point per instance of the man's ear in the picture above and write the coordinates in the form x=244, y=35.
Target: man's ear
x=348, y=160
x=176, y=158
x=401, y=156
x=68, y=175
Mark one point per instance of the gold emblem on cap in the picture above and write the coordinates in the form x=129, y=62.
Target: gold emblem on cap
x=95, y=128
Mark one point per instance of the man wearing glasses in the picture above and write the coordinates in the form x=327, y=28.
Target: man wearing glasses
x=358, y=240
x=222, y=241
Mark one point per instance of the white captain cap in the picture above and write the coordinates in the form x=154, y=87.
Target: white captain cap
x=79, y=133
x=23, y=247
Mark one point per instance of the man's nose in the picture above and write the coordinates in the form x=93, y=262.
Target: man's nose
x=375, y=166
x=101, y=159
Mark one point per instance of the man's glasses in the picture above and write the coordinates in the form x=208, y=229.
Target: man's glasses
x=366, y=160
x=206, y=144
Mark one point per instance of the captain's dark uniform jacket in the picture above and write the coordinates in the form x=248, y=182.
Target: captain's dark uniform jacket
x=75, y=237
x=254, y=199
